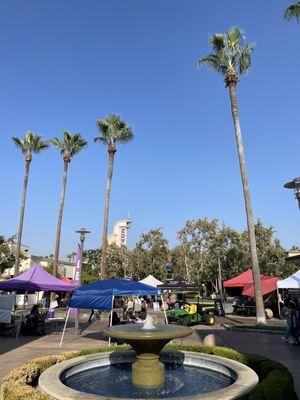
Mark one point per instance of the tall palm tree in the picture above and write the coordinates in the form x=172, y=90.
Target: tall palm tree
x=112, y=130
x=29, y=145
x=292, y=11
x=231, y=55
x=69, y=146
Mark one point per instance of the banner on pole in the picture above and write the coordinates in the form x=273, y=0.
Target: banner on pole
x=77, y=266
x=77, y=272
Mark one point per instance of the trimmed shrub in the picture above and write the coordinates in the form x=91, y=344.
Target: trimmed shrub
x=278, y=385
x=276, y=382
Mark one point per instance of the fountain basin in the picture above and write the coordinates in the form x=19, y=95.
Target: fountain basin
x=242, y=379
x=147, y=370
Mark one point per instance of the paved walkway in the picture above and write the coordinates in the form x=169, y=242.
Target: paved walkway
x=14, y=352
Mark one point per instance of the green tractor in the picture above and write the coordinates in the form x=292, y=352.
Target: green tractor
x=190, y=313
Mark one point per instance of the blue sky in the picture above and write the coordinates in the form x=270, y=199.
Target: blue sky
x=65, y=64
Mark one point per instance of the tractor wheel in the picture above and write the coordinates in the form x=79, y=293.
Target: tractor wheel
x=185, y=321
x=211, y=320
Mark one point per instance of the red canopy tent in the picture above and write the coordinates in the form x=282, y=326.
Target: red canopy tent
x=67, y=280
x=268, y=285
x=240, y=280
x=245, y=281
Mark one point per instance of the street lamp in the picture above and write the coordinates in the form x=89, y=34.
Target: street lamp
x=218, y=249
x=294, y=184
x=82, y=233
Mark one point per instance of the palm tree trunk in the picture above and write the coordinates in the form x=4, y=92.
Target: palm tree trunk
x=260, y=311
x=59, y=222
x=111, y=157
x=23, y=202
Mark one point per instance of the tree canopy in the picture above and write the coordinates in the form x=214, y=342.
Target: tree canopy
x=201, y=242
x=292, y=11
x=7, y=259
x=70, y=145
x=30, y=144
x=230, y=53
x=112, y=130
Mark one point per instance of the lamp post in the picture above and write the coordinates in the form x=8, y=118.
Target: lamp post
x=294, y=184
x=82, y=233
x=219, y=274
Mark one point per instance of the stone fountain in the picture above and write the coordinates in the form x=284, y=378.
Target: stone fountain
x=148, y=371
x=147, y=341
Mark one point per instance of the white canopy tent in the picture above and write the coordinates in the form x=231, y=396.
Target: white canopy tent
x=292, y=282
x=151, y=281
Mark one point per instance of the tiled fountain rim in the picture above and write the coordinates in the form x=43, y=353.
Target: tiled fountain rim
x=246, y=378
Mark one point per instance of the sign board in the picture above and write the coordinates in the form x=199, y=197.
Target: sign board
x=6, y=307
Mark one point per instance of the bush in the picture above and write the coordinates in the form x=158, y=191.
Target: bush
x=276, y=382
x=277, y=385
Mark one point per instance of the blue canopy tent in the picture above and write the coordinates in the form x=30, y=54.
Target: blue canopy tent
x=100, y=295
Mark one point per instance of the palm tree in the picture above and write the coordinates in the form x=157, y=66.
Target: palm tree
x=69, y=146
x=231, y=55
x=292, y=11
x=112, y=130
x=30, y=144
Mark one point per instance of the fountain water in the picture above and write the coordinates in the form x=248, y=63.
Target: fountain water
x=148, y=324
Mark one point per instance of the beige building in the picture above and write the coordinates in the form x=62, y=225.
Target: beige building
x=119, y=234
x=65, y=268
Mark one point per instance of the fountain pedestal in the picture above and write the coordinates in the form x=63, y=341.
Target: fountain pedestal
x=147, y=371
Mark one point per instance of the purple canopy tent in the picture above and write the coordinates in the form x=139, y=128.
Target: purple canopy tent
x=36, y=279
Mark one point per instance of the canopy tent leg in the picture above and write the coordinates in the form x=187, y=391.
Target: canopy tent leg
x=65, y=326
x=111, y=313
x=164, y=308
x=24, y=300
x=278, y=303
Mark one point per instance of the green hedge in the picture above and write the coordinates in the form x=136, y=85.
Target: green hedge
x=276, y=382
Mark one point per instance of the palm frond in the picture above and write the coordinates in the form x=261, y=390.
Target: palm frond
x=234, y=36
x=19, y=143
x=217, y=41
x=292, y=11
x=212, y=60
x=245, y=58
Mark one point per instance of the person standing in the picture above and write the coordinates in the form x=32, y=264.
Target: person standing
x=137, y=307
x=129, y=309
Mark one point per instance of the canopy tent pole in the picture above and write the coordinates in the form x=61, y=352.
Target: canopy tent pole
x=278, y=304
x=111, y=313
x=164, y=308
x=65, y=326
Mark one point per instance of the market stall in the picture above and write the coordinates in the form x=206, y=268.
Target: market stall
x=100, y=295
x=35, y=279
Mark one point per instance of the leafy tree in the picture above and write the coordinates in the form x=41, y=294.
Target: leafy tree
x=196, y=239
x=71, y=256
x=292, y=11
x=7, y=259
x=68, y=147
x=113, y=130
x=271, y=255
x=117, y=262
x=30, y=144
x=231, y=55
x=149, y=256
